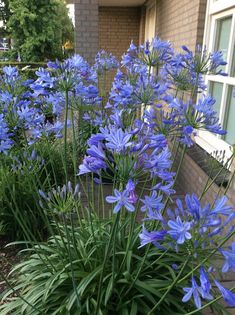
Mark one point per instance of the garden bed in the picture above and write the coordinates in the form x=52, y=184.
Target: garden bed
x=90, y=184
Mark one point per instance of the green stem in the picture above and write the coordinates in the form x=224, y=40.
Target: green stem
x=66, y=133
x=165, y=206
x=74, y=148
x=133, y=220
x=71, y=262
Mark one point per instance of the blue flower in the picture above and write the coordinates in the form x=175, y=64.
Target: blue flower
x=27, y=113
x=6, y=97
x=5, y=136
x=105, y=61
x=117, y=140
x=216, y=60
x=56, y=128
x=152, y=202
x=91, y=165
x=179, y=230
x=194, y=207
x=122, y=94
x=153, y=237
x=228, y=296
x=130, y=187
x=10, y=75
x=5, y=145
x=122, y=200
x=96, y=151
x=158, y=161
x=193, y=291
x=95, y=139
x=205, y=285
x=45, y=80
x=229, y=259
x=221, y=207
x=78, y=62
x=208, y=117
x=167, y=189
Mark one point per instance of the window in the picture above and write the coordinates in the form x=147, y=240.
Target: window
x=220, y=35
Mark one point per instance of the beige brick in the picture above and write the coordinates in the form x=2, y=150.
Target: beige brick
x=121, y=25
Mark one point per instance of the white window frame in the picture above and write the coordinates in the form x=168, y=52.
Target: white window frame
x=150, y=24
x=217, y=10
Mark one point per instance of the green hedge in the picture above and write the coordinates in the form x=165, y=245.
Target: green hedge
x=21, y=65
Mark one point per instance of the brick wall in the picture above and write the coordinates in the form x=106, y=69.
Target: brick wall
x=192, y=179
x=181, y=22
x=142, y=25
x=117, y=27
x=86, y=25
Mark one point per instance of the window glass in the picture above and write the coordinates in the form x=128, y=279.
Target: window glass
x=233, y=63
x=216, y=89
x=230, y=119
x=222, y=36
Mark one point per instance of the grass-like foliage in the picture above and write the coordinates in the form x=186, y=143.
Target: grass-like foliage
x=62, y=276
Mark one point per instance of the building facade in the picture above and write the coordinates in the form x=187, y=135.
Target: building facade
x=112, y=24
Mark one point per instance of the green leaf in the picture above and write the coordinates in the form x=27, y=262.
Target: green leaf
x=134, y=308
x=108, y=291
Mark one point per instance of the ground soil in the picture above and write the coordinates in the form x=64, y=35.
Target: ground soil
x=8, y=258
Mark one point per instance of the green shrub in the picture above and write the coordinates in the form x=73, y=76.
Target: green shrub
x=21, y=177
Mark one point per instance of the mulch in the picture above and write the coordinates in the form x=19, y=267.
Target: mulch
x=8, y=258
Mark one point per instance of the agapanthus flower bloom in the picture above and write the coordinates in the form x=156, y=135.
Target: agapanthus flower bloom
x=10, y=75
x=60, y=199
x=196, y=292
x=205, y=285
x=55, y=129
x=203, y=62
x=117, y=140
x=5, y=136
x=155, y=53
x=179, y=230
x=153, y=202
x=130, y=187
x=122, y=200
x=91, y=165
x=228, y=296
x=27, y=162
x=153, y=237
x=105, y=61
x=229, y=259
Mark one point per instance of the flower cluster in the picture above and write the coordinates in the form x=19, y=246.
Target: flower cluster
x=5, y=139
x=24, y=116
x=130, y=154
x=186, y=70
x=104, y=62
x=129, y=148
x=60, y=200
x=197, y=228
x=27, y=162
